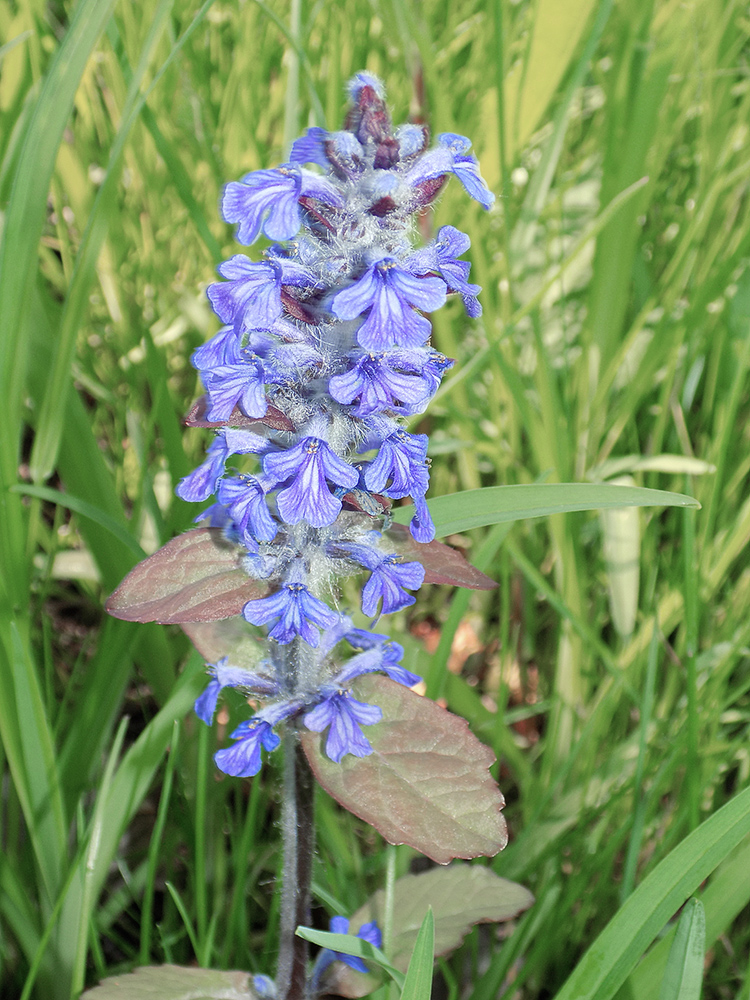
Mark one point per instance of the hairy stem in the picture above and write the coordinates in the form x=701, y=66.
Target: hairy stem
x=298, y=833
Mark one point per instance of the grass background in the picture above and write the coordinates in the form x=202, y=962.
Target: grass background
x=609, y=671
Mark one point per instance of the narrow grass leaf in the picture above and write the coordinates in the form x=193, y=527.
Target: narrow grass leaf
x=684, y=973
x=53, y=401
x=348, y=944
x=85, y=509
x=418, y=982
x=458, y=512
x=24, y=221
x=609, y=960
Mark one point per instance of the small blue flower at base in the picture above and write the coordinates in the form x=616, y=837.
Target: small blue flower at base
x=264, y=987
x=368, y=932
x=340, y=925
x=344, y=715
x=298, y=613
x=225, y=675
x=243, y=760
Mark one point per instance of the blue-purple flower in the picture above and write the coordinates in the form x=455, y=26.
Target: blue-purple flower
x=225, y=675
x=369, y=932
x=243, y=760
x=450, y=157
x=388, y=578
x=400, y=468
x=390, y=293
x=202, y=482
x=241, y=383
x=324, y=349
x=381, y=382
x=342, y=715
x=294, y=611
x=309, y=465
x=441, y=256
x=267, y=201
x=245, y=499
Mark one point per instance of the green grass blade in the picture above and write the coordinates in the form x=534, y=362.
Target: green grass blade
x=493, y=504
x=85, y=509
x=18, y=264
x=49, y=427
x=684, y=973
x=27, y=740
x=147, y=920
x=90, y=888
x=726, y=895
x=609, y=960
x=418, y=982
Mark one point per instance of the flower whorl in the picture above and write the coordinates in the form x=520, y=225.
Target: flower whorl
x=324, y=348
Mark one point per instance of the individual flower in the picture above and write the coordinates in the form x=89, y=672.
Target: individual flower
x=388, y=578
x=241, y=383
x=450, y=157
x=295, y=611
x=380, y=383
x=245, y=499
x=382, y=657
x=225, y=675
x=202, y=482
x=309, y=464
x=251, y=297
x=400, y=468
x=267, y=201
x=243, y=760
x=342, y=715
x=390, y=293
x=441, y=256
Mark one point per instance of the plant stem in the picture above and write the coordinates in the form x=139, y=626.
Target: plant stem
x=298, y=834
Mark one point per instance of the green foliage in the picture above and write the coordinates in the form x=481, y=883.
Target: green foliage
x=612, y=682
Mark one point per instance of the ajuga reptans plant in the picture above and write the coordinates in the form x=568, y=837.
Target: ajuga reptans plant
x=324, y=350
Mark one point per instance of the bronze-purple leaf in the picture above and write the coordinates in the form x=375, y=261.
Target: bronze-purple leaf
x=230, y=637
x=273, y=418
x=426, y=783
x=460, y=896
x=173, y=982
x=197, y=577
x=442, y=563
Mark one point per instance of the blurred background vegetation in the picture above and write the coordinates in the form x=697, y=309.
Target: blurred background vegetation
x=610, y=669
